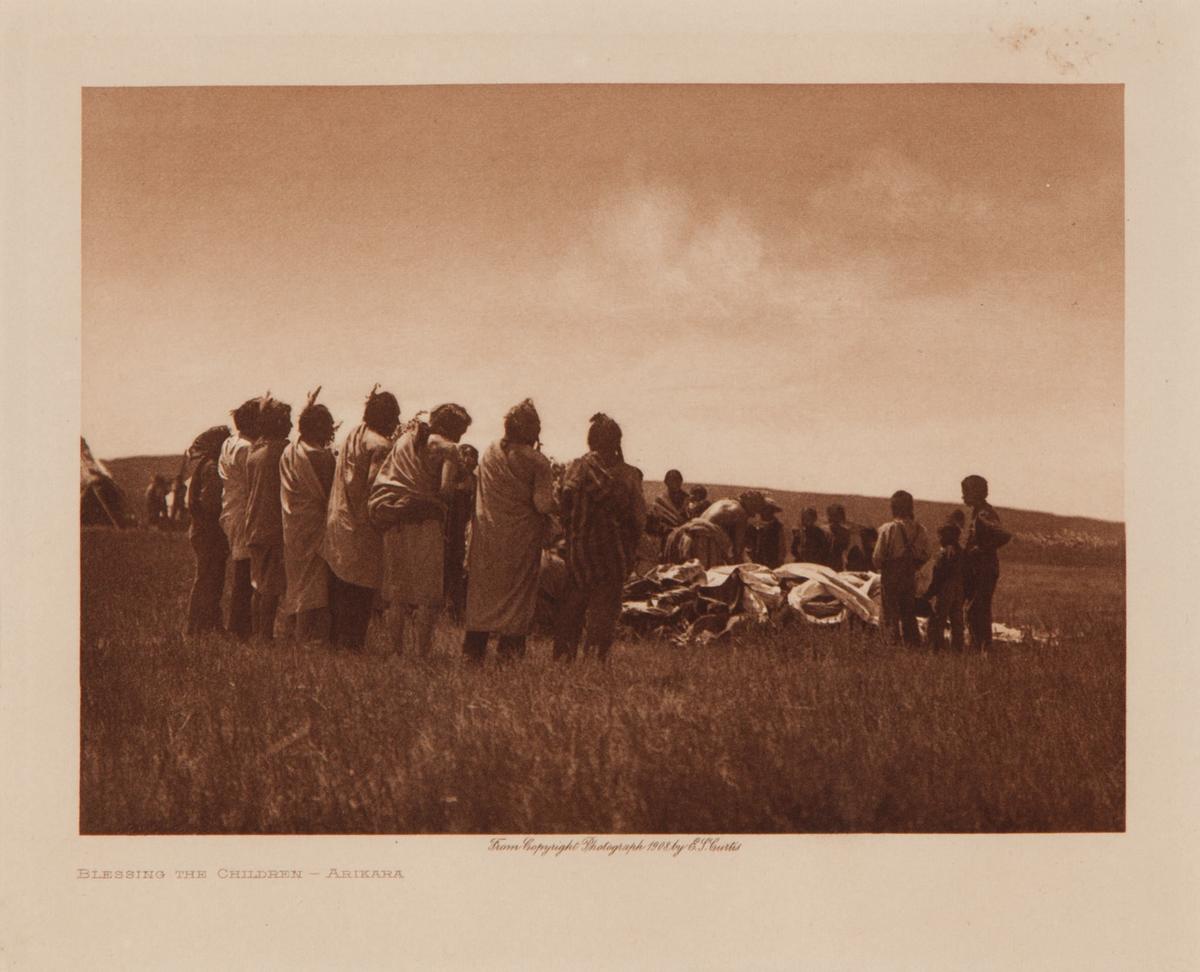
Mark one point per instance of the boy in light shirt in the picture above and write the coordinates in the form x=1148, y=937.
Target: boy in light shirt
x=901, y=550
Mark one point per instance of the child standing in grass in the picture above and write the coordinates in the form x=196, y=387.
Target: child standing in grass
x=858, y=558
x=810, y=545
x=985, y=537
x=839, y=536
x=946, y=591
x=900, y=551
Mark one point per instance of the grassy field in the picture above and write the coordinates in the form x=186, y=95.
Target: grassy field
x=795, y=730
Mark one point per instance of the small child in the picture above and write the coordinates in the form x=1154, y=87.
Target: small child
x=810, y=545
x=839, y=536
x=959, y=519
x=946, y=591
x=900, y=551
x=859, y=557
x=697, y=502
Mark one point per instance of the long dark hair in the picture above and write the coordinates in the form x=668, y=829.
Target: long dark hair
x=316, y=425
x=275, y=420
x=604, y=436
x=382, y=413
x=450, y=420
x=522, y=424
x=245, y=418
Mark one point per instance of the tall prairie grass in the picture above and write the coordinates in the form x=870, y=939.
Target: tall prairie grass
x=791, y=730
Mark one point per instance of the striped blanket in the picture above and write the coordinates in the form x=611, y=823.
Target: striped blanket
x=700, y=540
x=665, y=515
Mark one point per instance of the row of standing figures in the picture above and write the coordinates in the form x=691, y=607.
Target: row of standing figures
x=965, y=570
x=409, y=517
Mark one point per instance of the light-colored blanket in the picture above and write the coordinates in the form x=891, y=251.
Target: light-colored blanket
x=353, y=548
x=304, y=510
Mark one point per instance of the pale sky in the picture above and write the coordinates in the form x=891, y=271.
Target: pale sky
x=832, y=288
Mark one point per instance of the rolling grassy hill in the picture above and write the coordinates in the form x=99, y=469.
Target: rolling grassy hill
x=133, y=475
x=1038, y=537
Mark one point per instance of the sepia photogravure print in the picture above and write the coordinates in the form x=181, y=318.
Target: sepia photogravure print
x=629, y=486
x=632, y=459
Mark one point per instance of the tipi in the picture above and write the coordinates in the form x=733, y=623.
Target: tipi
x=100, y=499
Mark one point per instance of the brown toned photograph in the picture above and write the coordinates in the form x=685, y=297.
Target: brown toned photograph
x=602, y=459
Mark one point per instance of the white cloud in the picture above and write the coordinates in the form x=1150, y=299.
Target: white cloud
x=649, y=258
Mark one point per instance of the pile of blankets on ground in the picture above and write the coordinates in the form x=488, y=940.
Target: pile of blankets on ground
x=695, y=606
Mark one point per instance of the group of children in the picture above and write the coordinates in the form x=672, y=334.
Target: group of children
x=965, y=571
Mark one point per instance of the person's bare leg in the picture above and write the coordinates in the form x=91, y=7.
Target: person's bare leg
x=510, y=648
x=424, y=621
x=266, y=607
x=398, y=616
x=475, y=646
x=312, y=625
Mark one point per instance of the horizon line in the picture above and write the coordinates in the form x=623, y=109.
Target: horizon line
x=779, y=489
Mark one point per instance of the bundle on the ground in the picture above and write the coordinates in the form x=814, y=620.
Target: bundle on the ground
x=699, y=605
x=693, y=605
